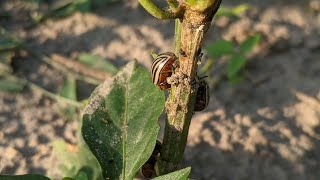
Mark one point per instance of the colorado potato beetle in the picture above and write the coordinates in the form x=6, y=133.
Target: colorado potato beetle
x=203, y=97
x=148, y=169
x=162, y=68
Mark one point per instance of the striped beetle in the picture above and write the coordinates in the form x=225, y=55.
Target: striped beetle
x=162, y=68
x=203, y=97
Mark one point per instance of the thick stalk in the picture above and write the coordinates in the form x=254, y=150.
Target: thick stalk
x=180, y=103
x=177, y=37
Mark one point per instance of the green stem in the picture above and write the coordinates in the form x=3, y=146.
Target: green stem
x=177, y=37
x=157, y=12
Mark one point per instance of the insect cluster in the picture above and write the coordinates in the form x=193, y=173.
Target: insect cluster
x=163, y=67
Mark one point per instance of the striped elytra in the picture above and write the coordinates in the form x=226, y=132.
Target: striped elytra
x=162, y=68
x=203, y=97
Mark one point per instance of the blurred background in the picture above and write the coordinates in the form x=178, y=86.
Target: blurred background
x=262, y=59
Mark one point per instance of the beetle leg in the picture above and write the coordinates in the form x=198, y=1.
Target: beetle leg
x=199, y=56
x=176, y=64
x=195, y=80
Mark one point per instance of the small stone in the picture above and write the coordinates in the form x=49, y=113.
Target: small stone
x=238, y=118
x=33, y=140
x=246, y=121
x=19, y=143
x=10, y=153
x=314, y=5
x=222, y=21
x=11, y=128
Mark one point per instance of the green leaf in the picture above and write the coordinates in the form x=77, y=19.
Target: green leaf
x=77, y=162
x=232, y=12
x=8, y=43
x=11, y=85
x=154, y=55
x=206, y=67
x=240, y=9
x=219, y=48
x=120, y=123
x=199, y=5
x=98, y=62
x=5, y=62
x=69, y=90
x=236, y=63
x=102, y=2
x=68, y=178
x=81, y=176
x=235, y=79
x=24, y=177
x=249, y=43
x=63, y=8
x=177, y=175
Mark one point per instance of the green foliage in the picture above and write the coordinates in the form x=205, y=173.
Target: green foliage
x=120, y=124
x=101, y=2
x=77, y=161
x=236, y=63
x=69, y=91
x=24, y=177
x=220, y=47
x=5, y=61
x=249, y=43
x=7, y=45
x=154, y=55
x=62, y=8
x=8, y=42
x=11, y=85
x=98, y=62
x=235, y=53
x=180, y=175
x=199, y=4
x=232, y=11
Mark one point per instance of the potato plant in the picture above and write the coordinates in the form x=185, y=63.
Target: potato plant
x=236, y=55
x=120, y=123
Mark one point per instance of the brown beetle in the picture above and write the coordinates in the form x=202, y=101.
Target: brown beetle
x=162, y=68
x=148, y=170
x=203, y=97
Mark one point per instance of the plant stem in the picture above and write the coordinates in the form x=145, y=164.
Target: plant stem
x=177, y=37
x=157, y=12
x=180, y=103
x=154, y=10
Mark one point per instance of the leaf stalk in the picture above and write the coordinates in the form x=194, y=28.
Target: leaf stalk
x=160, y=13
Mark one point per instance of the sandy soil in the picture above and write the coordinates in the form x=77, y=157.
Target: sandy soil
x=267, y=127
